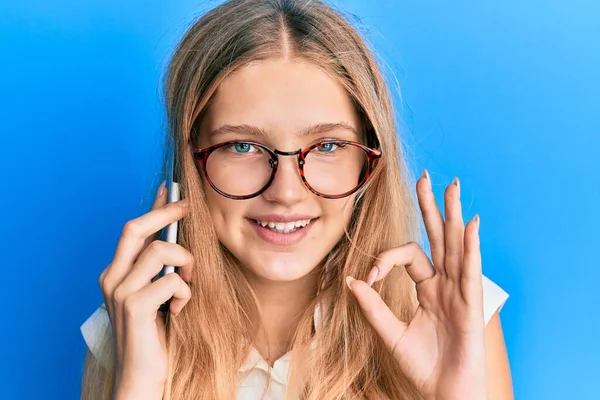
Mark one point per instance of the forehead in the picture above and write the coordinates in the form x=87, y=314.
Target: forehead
x=280, y=96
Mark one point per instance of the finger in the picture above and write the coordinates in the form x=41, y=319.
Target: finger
x=454, y=231
x=471, y=280
x=383, y=320
x=107, y=302
x=155, y=257
x=159, y=201
x=147, y=300
x=161, y=198
x=412, y=256
x=150, y=263
x=434, y=223
x=133, y=238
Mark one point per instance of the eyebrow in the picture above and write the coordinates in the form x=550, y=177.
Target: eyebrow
x=313, y=129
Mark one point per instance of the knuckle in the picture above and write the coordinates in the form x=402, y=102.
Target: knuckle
x=173, y=279
x=119, y=296
x=130, y=307
x=102, y=277
x=107, y=287
x=101, y=283
x=131, y=228
x=105, y=272
x=156, y=246
x=413, y=245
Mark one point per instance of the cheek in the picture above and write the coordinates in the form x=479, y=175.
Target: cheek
x=337, y=213
x=225, y=213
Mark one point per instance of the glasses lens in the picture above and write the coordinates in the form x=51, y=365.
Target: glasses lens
x=239, y=169
x=333, y=169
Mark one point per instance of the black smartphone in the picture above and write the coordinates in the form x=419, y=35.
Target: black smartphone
x=169, y=232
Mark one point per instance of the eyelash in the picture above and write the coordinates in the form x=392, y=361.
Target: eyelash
x=254, y=139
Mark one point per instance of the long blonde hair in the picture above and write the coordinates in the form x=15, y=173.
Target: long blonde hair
x=209, y=340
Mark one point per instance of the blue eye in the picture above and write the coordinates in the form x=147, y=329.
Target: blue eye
x=326, y=147
x=242, y=147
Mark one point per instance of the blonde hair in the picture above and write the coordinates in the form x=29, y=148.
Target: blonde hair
x=209, y=340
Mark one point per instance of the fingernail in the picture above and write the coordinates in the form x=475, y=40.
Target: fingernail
x=457, y=184
x=477, y=220
x=161, y=188
x=426, y=176
x=372, y=276
x=349, y=280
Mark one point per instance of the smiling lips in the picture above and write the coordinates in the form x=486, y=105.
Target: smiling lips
x=284, y=227
x=277, y=229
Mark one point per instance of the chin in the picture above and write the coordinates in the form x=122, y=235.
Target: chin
x=280, y=267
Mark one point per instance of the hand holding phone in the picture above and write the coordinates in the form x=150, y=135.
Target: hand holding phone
x=135, y=284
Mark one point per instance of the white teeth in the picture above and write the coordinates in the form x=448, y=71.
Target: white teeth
x=284, y=227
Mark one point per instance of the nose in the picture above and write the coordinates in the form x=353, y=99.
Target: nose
x=287, y=187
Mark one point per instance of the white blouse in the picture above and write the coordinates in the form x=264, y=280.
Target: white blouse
x=253, y=378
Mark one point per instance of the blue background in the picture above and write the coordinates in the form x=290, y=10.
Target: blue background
x=504, y=94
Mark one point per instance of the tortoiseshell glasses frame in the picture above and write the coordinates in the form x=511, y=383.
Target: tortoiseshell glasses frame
x=201, y=155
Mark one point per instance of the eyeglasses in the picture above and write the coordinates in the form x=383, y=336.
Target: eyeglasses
x=330, y=168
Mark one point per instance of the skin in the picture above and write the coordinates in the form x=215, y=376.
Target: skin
x=284, y=280
x=449, y=355
x=444, y=348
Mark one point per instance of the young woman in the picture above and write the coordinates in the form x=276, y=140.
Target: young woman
x=301, y=274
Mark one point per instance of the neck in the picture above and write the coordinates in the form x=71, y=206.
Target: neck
x=282, y=305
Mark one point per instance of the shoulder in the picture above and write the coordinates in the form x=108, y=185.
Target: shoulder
x=97, y=333
x=494, y=298
x=97, y=330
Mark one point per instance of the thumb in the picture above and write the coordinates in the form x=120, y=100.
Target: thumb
x=379, y=315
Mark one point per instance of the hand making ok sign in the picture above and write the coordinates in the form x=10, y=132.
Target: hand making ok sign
x=442, y=349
